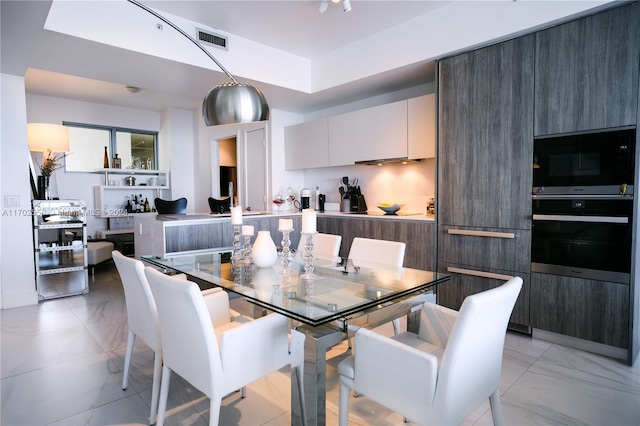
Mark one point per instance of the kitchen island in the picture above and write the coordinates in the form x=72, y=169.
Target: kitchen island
x=163, y=235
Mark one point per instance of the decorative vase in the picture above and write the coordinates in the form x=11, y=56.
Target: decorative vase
x=43, y=187
x=264, y=252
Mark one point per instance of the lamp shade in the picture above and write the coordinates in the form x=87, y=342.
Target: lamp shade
x=43, y=137
x=234, y=102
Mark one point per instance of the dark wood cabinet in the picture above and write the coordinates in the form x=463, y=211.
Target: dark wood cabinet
x=586, y=72
x=485, y=156
x=486, y=136
x=597, y=311
x=418, y=235
x=463, y=283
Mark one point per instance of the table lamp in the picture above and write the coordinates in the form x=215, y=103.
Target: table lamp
x=47, y=138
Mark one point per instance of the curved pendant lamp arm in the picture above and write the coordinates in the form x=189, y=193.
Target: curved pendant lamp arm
x=181, y=31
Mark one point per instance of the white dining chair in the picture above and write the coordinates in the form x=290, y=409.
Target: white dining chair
x=142, y=317
x=202, y=344
x=445, y=371
x=325, y=246
x=383, y=252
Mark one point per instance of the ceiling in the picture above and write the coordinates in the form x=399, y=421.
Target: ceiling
x=60, y=65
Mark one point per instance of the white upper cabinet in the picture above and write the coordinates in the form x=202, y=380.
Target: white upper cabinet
x=403, y=129
x=342, y=144
x=421, y=139
x=306, y=145
x=381, y=132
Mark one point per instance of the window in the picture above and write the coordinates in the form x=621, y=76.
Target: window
x=137, y=149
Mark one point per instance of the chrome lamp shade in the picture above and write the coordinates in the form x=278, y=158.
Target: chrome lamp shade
x=232, y=102
x=227, y=103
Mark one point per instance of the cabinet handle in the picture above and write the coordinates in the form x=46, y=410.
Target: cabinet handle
x=481, y=233
x=579, y=218
x=479, y=273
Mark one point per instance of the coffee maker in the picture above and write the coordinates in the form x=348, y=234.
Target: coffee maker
x=305, y=198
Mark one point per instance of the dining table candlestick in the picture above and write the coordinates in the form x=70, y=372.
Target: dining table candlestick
x=236, y=256
x=309, y=219
x=247, y=233
x=236, y=215
x=286, y=251
x=308, y=256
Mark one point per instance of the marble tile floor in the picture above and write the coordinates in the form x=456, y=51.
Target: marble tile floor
x=62, y=360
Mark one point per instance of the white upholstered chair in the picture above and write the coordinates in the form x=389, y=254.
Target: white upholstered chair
x=326, y=246
x=201, y=343
x=142, y=317
x=443, y=373
x=382, y=252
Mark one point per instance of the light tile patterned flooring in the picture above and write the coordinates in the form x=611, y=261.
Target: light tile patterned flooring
x=62, y=364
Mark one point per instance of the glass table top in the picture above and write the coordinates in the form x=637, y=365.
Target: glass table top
x=334, y=292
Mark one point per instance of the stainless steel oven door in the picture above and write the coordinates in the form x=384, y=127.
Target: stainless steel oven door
x=583, y=246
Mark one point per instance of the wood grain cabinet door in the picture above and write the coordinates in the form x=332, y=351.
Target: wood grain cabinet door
x=587, y=73
x=485, y=147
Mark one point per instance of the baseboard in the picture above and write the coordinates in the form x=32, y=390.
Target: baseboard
x=17, y=300
x=583, y=345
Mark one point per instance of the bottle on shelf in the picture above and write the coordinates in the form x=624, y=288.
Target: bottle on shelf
x=147, y=207
x=140, y=204
x=117, y=162
x=106, y=158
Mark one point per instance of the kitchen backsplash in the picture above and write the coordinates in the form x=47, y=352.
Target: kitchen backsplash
x=412, y=184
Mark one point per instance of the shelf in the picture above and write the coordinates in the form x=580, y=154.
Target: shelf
x=132, y=171
x=102, y=233
x=141, y=187
x=60, y=270
x=60, y=266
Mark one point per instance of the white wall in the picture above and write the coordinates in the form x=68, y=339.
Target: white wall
x=177, y=137
x=17, y=270
x=77, y=185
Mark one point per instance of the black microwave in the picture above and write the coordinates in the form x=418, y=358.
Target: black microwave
x=596, y=163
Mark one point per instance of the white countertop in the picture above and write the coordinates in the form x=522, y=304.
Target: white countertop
x=371, y=214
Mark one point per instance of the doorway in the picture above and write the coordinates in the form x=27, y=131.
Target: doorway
x=228, y=168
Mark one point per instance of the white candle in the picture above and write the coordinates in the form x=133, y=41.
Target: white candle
x=247, y=230
x=308, y=221
x=236, y=215
x=285, y=224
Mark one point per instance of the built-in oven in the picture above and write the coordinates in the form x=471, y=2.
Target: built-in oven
x=594, y=163
x=586, y=237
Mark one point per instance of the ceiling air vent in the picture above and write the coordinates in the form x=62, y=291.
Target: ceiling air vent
x=212, y=39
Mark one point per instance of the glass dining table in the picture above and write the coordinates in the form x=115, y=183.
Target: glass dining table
x=339, y=296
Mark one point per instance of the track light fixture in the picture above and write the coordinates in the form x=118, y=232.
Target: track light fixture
x=324, y=5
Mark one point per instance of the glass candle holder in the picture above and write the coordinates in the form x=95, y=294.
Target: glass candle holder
x=246, y=249
x=286, y=249
x=236, y=255
x=308, y=256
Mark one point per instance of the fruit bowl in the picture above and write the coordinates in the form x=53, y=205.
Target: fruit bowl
x=390, y=208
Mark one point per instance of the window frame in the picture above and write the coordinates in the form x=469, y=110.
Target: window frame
x=112, y=147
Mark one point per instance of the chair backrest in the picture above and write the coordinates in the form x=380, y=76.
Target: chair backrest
x=219, y=206
x=178, y=206
x=470, y=366
x=325, y=246
x=383, y=252
x=142, y=314
x=189, y=345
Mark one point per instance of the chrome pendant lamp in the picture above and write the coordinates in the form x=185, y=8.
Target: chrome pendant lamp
x=227, y=103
